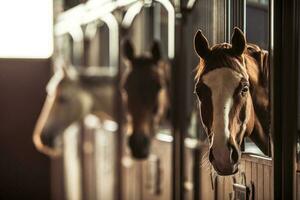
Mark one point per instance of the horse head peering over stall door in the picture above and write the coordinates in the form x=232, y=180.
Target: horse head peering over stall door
x=72, y=95
x=233, y=93
x=146, y=87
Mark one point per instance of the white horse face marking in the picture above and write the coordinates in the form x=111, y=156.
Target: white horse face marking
x=222, y=83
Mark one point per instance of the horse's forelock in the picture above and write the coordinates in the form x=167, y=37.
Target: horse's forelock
x=220, y=57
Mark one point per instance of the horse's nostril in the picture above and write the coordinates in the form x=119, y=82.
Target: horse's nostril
x=48, y=140
x=234, y=156
x=211, y=156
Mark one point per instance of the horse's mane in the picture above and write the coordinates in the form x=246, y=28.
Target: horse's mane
x=260, y=56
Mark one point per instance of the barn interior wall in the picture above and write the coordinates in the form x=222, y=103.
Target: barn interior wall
x=25, y=173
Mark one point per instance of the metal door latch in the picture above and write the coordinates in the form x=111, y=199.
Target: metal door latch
x=153, y=182
x=240, y=190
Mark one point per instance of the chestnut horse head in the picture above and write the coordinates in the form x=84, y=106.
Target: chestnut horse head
x=232, y=89
x=145, y=88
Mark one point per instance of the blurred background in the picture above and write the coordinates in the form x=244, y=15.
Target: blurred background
x=36, y=33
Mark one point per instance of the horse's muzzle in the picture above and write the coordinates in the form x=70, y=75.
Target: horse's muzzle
x=139, y=144
x=225, y=162
x=49, y=136
x=48, y=140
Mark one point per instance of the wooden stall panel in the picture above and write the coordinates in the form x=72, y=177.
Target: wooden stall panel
x=260, y=182
x=248, y=171
x=131, y=181
x=224, y=188
x=88, y=171
x=105, y=159
x=254, y=179
x=258, y=173
x=157, y=172
x=72, y=169
x=207, y=190
x=149, y=179
x=267, y=182
x=188, y=184
x=220, y=193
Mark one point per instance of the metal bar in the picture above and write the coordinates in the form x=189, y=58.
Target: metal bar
x=77, y=35
x=109, y=19
x=190, y=4
x=131, y=13
x=113, y=27
x=228, y=26
x=171, y=26
x=114, y=60
x=156, y=23
x=119, y=116
x=179, y=101
x=134, y=10
x=179, y=82
x=85, y=14
x=238, y=14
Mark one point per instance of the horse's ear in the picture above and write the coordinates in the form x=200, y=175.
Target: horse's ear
x=155, y=51
x=238, y=42
x=201, y=45
x=128, y=50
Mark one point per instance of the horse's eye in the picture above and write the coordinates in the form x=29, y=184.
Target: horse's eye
x=244, y=90
x=62, y=99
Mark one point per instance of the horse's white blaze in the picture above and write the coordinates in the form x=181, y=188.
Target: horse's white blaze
x=222, y=83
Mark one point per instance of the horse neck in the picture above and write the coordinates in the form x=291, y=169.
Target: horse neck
x=261, y=105
x=102, y=101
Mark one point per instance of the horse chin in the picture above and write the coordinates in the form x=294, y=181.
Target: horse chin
x=231, y=170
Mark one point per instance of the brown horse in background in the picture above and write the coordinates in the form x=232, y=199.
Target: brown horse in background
x=145, y=85
x=232, y=86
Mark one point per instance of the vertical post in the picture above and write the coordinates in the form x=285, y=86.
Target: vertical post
x=228, y=16
x=284, y=74
x=119, y=116
x=81, y=49
x=196, y=172
x=179, y=104
x=222, y=15
x=149, y=26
